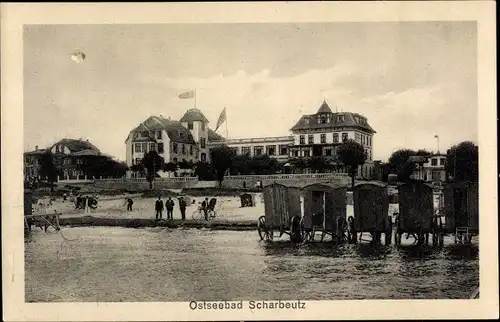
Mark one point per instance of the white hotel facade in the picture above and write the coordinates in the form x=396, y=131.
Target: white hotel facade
x=190, y=138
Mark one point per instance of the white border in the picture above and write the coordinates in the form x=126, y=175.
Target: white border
x=13, y=16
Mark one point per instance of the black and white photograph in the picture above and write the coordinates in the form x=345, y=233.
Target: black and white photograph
x=252, y=166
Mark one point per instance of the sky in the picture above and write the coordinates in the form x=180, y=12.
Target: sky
x=412, y=80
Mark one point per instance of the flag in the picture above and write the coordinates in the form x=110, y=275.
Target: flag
x=186, y=95
x=436, y=136
x=222, y=118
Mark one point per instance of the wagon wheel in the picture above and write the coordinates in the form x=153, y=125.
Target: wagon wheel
x=295, y=229
x=305, y=235
x=398, y=234
x=341, y=229
x=262, y=228
x=352, y=233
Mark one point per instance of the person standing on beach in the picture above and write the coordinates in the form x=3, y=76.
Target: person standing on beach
x=159, y=208
x=129, y=203
x=182, y=207
x=170, y=208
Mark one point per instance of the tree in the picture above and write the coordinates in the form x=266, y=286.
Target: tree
x=204, y=171
x=48, y=168
x=137, y=168
x=169, y=167
x=241, y=165
x=351, y=154
x=462, y=162
x=263, y=164
x=152, y=162
x=222, y=158
x=299, y=163
x=398, y=164
x=318, y=163
x=112, y=168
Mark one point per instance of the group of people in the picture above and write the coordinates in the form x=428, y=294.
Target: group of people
x=169, y=206
x=85, y=202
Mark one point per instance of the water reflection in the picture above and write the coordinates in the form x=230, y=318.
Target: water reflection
x=117, y=264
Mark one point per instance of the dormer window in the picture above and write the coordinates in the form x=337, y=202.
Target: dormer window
x=306, y=121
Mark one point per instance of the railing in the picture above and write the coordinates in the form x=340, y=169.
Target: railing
x=288, y=176
x=142, y=180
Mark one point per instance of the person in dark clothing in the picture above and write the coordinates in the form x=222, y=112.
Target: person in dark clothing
x=182, y=207
x=244, y=185
x=204, y=206
x=159, y=208
x=170, y=208
x=130, y=202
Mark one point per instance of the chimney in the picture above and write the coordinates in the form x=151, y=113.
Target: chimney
x=87, y=140
x=36, y=147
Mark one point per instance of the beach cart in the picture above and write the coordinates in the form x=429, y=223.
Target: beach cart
x=416, y=212
x=282, y=212
x=461, y=210
x=371, y=208
x=324, y=210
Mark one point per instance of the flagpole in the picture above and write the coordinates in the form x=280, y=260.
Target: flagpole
x=195, y=98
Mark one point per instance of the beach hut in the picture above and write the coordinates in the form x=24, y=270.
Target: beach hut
x=461, y=208
x=324, y=207
x=247, y=200
x=371, y=208
x=281, y=205
x=416, y=210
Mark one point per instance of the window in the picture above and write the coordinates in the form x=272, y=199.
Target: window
x=434, y=162
x=174, y=147
x=137, y=148
x=203, y=142
x=328, y=152
x=174, y=160
x=203, y=126
x=306, y=153
x=160, y=148
x=442, y=161
x=310, y=139
x=283, y=150
x=344, y=137
x=152, y=147
x=257, y=150
x=144, y=147
x=245, y=150
x=138, y=161
x=158, y=135
x=295, y=153
x=335, y=137
x=357, y=137
x=203, y=157
x=362, y=139
x=190, y=150
x=271, y=150
x=183, y=149
x=190, y=125
x=302, y=139
x=307, y=121
x=323, y=138
x=369, y=141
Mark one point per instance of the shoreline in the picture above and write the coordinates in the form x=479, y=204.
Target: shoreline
x=87, y=221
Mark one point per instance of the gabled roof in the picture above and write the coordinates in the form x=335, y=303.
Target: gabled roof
x=193, y=115
x=214, y=137
x=337, y=120
x=175, y=131
x=77, y=145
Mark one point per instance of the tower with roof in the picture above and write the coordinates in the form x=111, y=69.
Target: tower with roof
x=197, y=124
x=320, y=134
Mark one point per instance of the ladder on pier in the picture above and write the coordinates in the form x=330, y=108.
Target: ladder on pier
x=462, y=235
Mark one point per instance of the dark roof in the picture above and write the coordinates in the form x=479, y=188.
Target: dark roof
x=213, y=136
x=324, y=108
x=347, y=119
x=193, y=115
x=175, y=131
x=77, y=145
x=36, y=152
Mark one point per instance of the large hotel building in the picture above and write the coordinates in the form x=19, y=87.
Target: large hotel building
x=190, y=138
